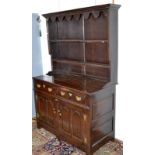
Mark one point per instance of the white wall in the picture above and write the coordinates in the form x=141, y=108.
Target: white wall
x=37, y=67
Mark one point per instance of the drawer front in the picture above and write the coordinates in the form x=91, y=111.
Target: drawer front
x=64, y=93
x=72, y=96
x=45, y=87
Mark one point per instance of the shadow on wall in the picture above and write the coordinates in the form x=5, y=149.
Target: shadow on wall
x=37, y=68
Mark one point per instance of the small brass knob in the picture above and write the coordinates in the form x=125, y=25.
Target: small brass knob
x=54, y=112
x=60, y=114
x=70, y=94
x=56, y=100
x=62, y=93
x=50, y=89
x=58, y=111
x=38, y=86
x=78, y=98
x=44, y=86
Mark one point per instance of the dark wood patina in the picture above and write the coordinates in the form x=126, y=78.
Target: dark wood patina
x=76, y=100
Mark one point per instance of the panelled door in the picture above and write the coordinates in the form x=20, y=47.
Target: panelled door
x=52, y=112
x=64, y=116
x=73, y=123
x=41, y=106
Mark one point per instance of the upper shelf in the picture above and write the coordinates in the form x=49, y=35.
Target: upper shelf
x=81, y=41
x=82, y=63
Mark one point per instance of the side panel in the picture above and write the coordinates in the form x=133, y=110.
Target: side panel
x=103, y=117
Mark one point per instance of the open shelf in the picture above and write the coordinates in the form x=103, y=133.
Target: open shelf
x=82, y=63
x=81, y=41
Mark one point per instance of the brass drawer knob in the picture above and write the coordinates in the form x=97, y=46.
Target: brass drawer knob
x=60, y=114
x=78, y=98
x=70, y=94
x=62, y=93
x=50, y=89
x=56, y=100
x=58, y=111
x=38, y=86
x=44, y=86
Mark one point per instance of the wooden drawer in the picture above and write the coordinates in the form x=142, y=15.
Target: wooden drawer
x=45, y=87
x=73, y=96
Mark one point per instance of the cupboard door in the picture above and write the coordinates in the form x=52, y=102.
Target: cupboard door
x=64, y=114
x=77, y=120
x=73, y=124
x=80, y=129
x=41, y=107
x=52, y=112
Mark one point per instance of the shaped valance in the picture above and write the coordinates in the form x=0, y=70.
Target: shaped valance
x=78, y=16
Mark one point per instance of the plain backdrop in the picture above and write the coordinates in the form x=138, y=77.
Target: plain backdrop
x=135, y=112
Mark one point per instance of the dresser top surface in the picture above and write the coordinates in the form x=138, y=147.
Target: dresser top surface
x=78, y=83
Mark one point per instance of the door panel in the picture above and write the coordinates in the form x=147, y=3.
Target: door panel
x=41, y=107
x=64, y=114
x=77, y=124
x=72, y=123
x=80, y=128
x=52, y=112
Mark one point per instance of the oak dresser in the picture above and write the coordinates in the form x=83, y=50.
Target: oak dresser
x=76, y=99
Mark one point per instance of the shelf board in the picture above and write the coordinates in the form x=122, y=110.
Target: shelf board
x=81, y=41
x=82, y=63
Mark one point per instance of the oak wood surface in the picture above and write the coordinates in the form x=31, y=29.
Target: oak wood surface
x=76, y=100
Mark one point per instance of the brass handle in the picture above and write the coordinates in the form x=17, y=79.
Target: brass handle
x=38, y=86
x=62, y=93
x=50, y=89
x=44, y=86
x=78, y=98
x=59, y=111
x=56, y=100
x=70, y=94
